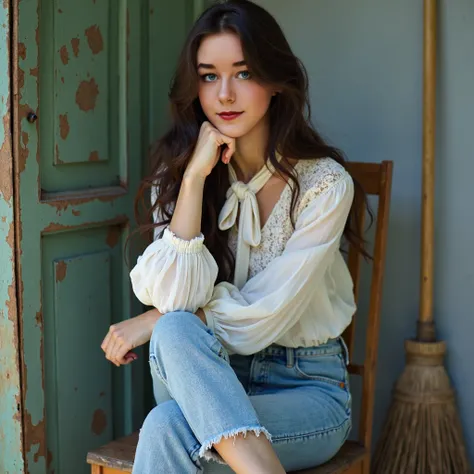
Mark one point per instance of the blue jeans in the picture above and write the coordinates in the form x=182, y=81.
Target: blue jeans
x=298, y=398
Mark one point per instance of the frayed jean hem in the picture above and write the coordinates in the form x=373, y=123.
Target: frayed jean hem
x=208, y=453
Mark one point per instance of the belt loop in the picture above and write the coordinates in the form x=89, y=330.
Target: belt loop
x=290, y=357
x=344, y=349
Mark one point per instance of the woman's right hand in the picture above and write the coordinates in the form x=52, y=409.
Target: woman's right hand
x=207, y=151
x=126, y=335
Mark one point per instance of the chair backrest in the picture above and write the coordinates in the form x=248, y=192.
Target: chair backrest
x=375, y=179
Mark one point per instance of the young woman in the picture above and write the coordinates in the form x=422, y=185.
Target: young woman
x=250, y=292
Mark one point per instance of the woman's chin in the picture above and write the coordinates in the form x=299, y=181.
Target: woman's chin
x=232, y=130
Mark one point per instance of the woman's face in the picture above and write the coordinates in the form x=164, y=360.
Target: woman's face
x=226, y=85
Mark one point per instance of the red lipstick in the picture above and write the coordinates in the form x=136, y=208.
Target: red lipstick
x=229, y=115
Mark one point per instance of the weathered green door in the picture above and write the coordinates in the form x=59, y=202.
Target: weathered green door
x=93, y=78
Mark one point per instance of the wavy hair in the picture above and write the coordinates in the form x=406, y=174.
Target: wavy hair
x=270, y=61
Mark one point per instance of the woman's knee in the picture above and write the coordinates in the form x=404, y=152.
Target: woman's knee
x=174, y=328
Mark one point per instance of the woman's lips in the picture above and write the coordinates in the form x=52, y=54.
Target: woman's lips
x=230, y=116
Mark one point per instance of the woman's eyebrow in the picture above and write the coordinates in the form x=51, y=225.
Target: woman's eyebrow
x=211, y=66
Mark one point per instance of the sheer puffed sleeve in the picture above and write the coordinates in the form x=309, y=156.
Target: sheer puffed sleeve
x=174, y=274
x=271, y=302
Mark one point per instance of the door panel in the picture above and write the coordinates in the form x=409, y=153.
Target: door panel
x=83, y=90
x=80, y=164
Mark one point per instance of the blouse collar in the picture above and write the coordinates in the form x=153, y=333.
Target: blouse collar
x=249, y=232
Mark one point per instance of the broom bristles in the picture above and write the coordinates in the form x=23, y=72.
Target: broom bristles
x=423, y=432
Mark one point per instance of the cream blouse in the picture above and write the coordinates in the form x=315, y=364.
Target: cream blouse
x=292, y=287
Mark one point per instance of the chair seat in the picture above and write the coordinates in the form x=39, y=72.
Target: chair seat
x=119, y=455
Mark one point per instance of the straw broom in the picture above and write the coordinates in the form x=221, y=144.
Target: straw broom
x=423, y=433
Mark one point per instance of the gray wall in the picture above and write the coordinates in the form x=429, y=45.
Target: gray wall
x=364, y=61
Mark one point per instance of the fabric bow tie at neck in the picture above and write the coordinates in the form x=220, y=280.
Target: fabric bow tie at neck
x=249, y=220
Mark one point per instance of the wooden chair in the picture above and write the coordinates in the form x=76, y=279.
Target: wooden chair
x=354, y=457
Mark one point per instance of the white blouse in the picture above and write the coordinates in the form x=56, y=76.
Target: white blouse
x=292, y=286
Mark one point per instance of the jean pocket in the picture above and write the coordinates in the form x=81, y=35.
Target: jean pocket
x=323, y=368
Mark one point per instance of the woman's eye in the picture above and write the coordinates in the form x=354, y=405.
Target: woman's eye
x=209, y=77
x=244, y=74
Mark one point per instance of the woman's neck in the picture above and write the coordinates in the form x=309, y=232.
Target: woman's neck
x=249, y=157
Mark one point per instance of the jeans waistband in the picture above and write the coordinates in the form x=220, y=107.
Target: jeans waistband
x=330, y=347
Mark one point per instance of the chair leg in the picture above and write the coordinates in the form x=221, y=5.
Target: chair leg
x=366, y=465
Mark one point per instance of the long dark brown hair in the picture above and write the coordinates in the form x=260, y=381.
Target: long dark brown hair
x=271, y=61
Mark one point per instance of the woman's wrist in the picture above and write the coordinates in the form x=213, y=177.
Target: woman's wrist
x=191, y=178
x=152, y=317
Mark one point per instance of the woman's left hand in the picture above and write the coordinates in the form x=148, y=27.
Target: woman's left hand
x=126, y=335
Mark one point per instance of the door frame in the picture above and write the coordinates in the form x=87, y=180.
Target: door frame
x=11, y=424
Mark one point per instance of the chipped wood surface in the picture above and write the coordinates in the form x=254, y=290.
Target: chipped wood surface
x=118, y=454
x=11, y=449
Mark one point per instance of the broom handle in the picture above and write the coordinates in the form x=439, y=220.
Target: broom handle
x=426, y=331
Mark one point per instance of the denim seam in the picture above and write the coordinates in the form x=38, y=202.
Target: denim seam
x=220, y=351
x=154, y=363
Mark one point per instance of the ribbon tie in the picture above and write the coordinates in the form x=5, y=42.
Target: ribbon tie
x=249, y=221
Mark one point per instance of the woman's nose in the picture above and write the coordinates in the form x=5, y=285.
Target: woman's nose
x=226, y=93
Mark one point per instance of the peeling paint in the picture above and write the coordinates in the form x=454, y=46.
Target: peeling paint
x=76, y=212
x=11, y=238
x=64, y=53
x=34, y=71
x=49, y=459
x=94, y=156
x=86, y=95
x=99, y=422
x=21, y=78
x=23, y=151
x=94, y=39
x=63, y=204
x=120, y=220
x=61, y=271
x=64, y=126
x=36, y=435
x=6, y=184
x=11, y=302
x=39, y=319
x=75, y=46
x=22, y=50
x=58, y=159
x=113, y=236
